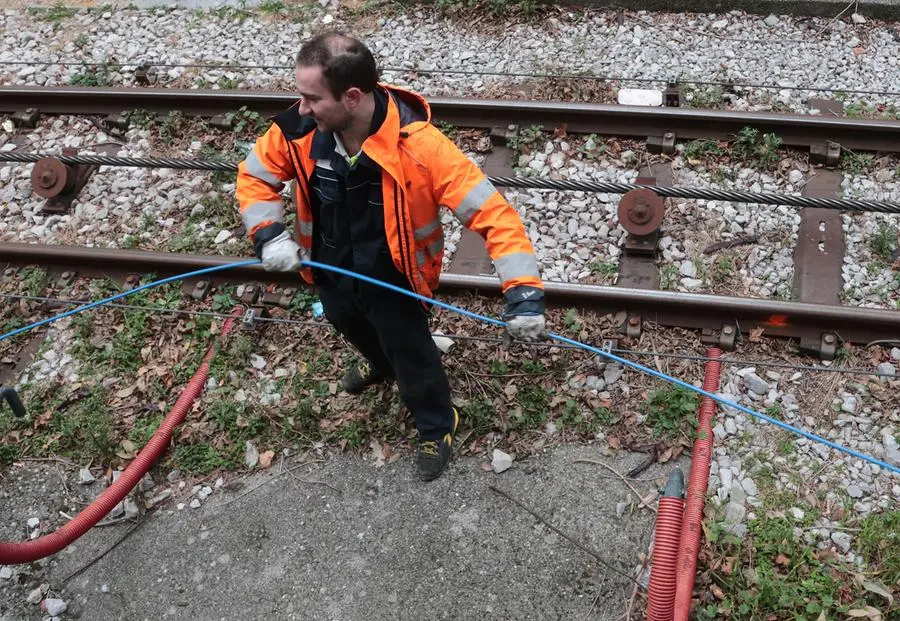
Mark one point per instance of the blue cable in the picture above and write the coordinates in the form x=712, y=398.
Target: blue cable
x=156, y=283
x=634, y=365
x=490, y=320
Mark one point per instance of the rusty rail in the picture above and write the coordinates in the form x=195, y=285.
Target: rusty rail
x=688, y=310
x=632, y=121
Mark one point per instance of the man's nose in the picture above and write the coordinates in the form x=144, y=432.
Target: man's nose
x=304, y=108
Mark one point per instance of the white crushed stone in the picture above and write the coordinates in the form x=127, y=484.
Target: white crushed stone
x=760, y=456
x=868, y=279
x=784, y=51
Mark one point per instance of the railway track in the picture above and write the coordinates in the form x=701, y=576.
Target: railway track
x=706, y=312
x=815, y=316
x=662, y=126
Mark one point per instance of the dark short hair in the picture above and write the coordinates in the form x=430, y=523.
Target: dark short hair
x=345, y=62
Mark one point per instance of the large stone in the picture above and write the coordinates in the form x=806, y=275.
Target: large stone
x=849, y=404
x=842, y=541
x=757, y=384
x=501, y=461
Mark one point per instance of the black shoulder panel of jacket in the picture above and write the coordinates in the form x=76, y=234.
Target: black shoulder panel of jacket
x=292, y=124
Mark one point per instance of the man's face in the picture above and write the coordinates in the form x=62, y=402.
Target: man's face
x=330, y=114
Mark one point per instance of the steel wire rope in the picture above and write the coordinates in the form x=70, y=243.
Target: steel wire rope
x=468, y=337
x=739, y=196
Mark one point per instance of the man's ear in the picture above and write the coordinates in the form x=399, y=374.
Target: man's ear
x=352, y=96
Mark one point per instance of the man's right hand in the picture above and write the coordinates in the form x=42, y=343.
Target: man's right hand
x=281, y=253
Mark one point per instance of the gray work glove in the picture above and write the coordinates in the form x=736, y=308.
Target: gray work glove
x=281, y=253
x=524, y=314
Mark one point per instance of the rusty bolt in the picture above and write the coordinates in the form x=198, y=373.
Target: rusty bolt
x=66, y=275
x=634, y=321
x=48, y=178
x=829, y=338
x=640, y=213
x=727, y=330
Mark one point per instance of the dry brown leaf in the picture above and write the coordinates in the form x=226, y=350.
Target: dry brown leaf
x=665, y=456
x=125, y=392
x=240, y=421
x=875, y=587
x=869, y=612
x=614, y=442
x=717, y=592
x=756, y=334
x=485, y=466
x=783, y=560
x=265, y=459
x=560, y=132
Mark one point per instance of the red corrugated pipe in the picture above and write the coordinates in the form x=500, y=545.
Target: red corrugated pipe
x=698, y=482
x=28, y=551
x=661, y=600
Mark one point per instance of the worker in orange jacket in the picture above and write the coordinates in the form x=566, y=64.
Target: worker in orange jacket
x=371, y=173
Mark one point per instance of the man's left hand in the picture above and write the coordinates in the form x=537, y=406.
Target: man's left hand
x=525, y=314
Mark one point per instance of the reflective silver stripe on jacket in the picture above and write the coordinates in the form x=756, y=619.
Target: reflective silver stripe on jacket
x=516, y=265
x=433, y=249
x=264, y=211
x=474, y=200
x=424, y=231
x=255, y=167
x=305, y=228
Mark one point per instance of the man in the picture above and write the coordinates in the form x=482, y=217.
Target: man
x=371, y=173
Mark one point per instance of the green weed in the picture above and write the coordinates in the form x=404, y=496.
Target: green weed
x=98, y=76
x=710, y=97
x=478, y=414
x=698, y=151
x=54, y=15
x=34, y=279
x=143, y=119
x=525, y=140
x=198, y=458
x=672, y=412
x=856, y=164
x=571, y=320
x=668, y=277
x=172, y=126
x=761, y=149
x=603, y=269
x=534, y=405
x=247, y=122
x=773, y=575
x=884, y=242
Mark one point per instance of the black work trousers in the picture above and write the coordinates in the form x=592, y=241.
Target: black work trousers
x=391, y=331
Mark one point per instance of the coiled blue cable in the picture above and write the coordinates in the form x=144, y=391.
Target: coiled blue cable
x=497, y=322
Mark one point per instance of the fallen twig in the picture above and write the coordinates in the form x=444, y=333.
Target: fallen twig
x=280, y=474
x=122, y=538
x=730, y=243
x=621, y=476
x=577, y=544
x=649, y=461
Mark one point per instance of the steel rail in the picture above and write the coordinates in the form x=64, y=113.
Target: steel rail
x=689, y=310
x=737, y=196
x=607, y=119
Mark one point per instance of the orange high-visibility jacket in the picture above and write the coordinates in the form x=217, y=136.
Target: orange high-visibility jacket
x=421, y=170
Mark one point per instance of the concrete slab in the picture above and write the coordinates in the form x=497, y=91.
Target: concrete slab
x=385, y=547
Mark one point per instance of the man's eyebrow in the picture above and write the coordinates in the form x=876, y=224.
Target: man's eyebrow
x=308, y=96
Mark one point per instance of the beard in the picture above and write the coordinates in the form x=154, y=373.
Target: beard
x=335, y=125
